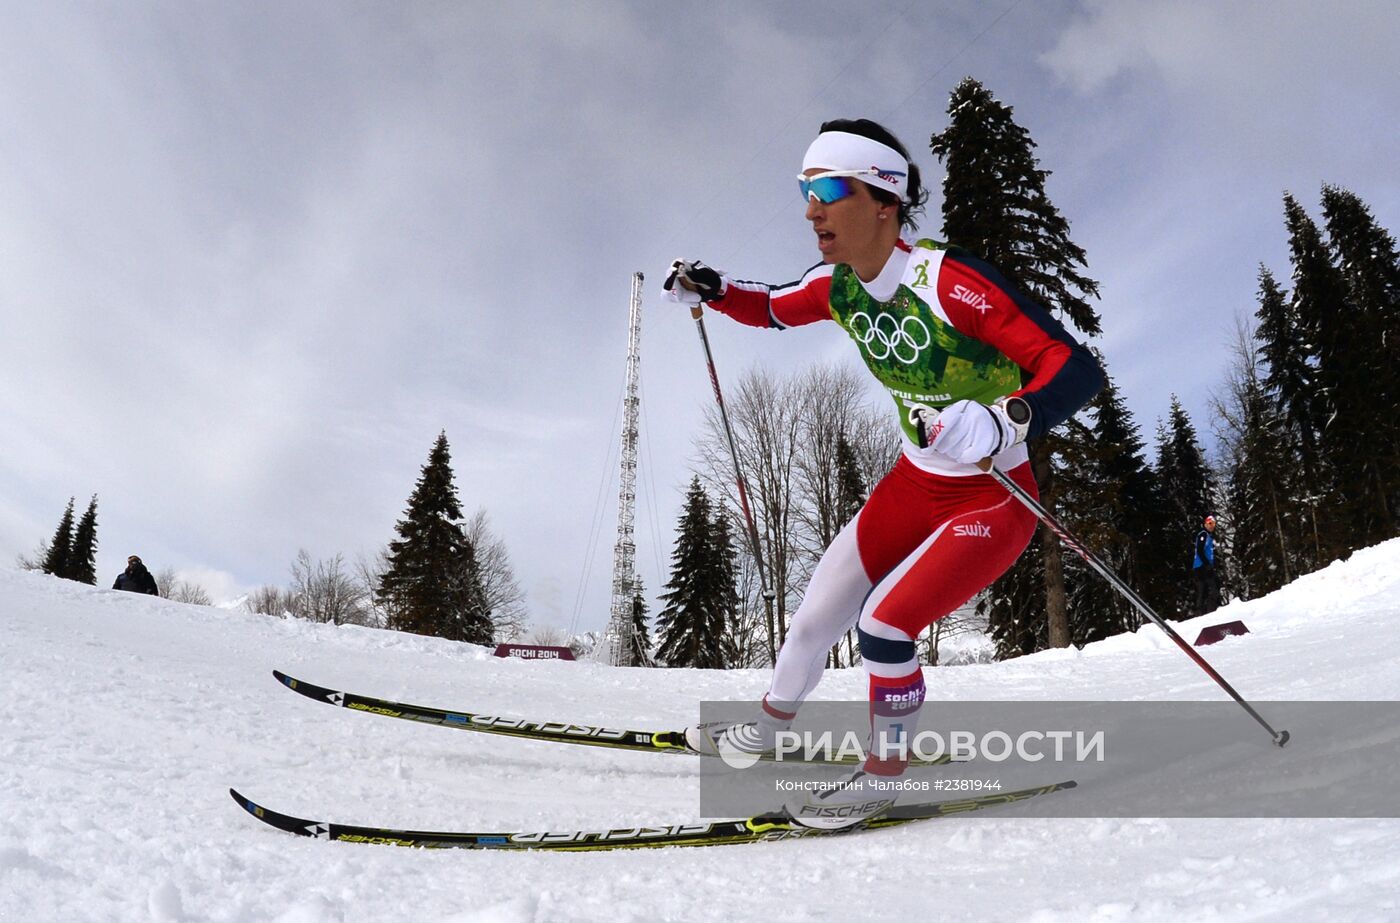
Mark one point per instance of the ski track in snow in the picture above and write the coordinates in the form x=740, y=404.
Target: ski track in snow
x=127, y=718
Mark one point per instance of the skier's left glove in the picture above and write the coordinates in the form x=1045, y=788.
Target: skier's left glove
x=691, y=282
x=968, y=432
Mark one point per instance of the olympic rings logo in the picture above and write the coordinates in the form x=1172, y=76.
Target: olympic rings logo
x=884, y=336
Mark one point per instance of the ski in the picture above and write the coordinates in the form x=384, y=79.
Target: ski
x=758, y=829
x=551, y=731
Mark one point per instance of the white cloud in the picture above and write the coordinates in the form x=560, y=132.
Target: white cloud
x=1260, y=73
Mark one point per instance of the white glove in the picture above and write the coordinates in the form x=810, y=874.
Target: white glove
x=679, y=294
x=691, y=282
x=968, y=432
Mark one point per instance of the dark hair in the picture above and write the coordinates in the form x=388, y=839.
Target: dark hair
x=918, y=195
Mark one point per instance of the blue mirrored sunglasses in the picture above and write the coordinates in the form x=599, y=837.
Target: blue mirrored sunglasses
x=830, y=187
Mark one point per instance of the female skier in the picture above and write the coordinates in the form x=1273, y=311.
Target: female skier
x=948, y=337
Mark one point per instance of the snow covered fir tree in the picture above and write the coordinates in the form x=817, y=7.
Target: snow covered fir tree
x=695, y=626
x=432, y=585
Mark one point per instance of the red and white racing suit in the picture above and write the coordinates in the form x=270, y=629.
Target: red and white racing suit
x=935, y=326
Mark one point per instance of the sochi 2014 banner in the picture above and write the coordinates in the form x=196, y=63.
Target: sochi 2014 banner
x=534, y=652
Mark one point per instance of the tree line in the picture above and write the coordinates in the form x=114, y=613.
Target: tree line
x=444, y=575
x=1307, y=415
x=1308, y=468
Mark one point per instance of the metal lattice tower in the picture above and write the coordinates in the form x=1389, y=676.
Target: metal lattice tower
x=624, y=584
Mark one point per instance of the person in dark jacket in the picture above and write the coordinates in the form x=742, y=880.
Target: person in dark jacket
x=1203, y=568
x=136, y=578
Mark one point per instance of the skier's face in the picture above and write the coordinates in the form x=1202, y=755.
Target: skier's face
x=851, y=230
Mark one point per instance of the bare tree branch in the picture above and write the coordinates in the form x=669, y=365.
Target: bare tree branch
x=166, y=581
x=323, y=591
x=546, y=635
x=34, y=560
x=187, y=591
x=369, y=571
x=504, y=597
x=786, y=432
x=268, y=600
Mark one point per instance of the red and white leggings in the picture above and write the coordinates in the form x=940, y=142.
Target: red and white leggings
x=922, y=545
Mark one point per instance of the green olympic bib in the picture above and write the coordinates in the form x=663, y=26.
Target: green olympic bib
x=920, y=358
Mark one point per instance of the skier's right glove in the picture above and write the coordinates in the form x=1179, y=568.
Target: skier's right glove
x=691, y=282
x=968, y=431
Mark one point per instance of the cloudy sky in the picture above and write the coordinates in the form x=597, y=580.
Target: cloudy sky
x=256, y=255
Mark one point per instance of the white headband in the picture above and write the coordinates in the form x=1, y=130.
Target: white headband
x=842, y=150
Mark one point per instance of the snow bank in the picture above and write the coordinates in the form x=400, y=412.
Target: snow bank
x=129, y=717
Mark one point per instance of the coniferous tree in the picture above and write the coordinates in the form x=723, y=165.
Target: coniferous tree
x=1289, y=381
x=995, y=205
x=694, y=625
x=1186, y=479
x=1268, y=496
x=851, y=494
x=1187, y=494
x=82, y=559
x=1266, y=541
x=685, y=603
x=1108, y=493
x=1087, y=501
x=725, y=553
x=431, y=584
x=1143, y=563
x=640, y=641
x=1015, y=606
x=58, y=561
x=1370, y=269
x=850, y=486
x=1369, y=262
x=1291, y=378
x=1320, y=306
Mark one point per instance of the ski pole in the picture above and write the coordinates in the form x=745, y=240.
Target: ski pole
x=1032, y=504
x=698, y=312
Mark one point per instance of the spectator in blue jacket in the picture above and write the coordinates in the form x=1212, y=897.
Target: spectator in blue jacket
x=136, y=578
x=1207, y=586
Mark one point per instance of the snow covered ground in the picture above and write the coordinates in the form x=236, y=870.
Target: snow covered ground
x=127, y=718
